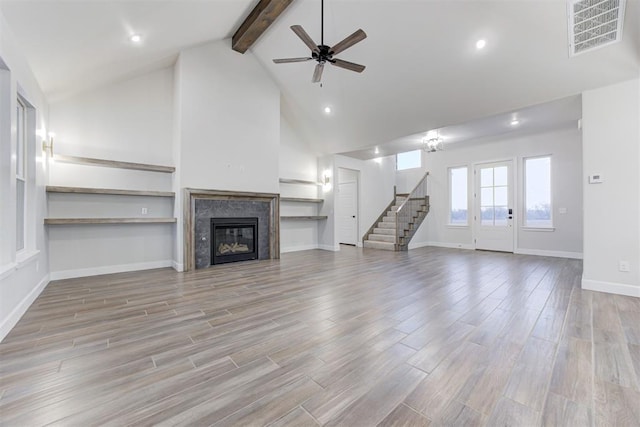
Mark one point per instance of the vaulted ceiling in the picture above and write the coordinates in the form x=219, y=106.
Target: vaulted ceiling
x=423, y=69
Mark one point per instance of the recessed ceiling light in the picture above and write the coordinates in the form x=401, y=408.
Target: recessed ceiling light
x=515, y=122
x=480, y=44
x=135, y=38
x=327, y=110
x=376, y=151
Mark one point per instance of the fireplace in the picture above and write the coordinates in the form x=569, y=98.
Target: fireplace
x=201, y=205
x=233, y=239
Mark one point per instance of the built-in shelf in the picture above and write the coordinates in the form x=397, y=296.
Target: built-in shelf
x=314, y=200
x=298, y=181
x=300, y=199
x=113, y=164
x=79, y=221
x=305, y=217
x=110, y=191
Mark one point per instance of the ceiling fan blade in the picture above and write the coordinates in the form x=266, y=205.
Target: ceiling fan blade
x=354, y=38
x=317, y=73
x=300, y=32
x=348, y=65
x=287, y=60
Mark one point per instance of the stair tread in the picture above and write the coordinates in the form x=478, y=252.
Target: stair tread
x=372, y=244
x=382, y=238
x=387, y=225
x=387, y=231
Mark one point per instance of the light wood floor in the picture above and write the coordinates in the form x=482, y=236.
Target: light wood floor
x=356, y=338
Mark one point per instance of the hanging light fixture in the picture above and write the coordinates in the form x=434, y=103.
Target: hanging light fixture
x=432, y=142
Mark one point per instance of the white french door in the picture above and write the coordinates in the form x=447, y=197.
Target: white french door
x=493, y=211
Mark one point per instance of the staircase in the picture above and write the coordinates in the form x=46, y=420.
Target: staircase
x=398, y=223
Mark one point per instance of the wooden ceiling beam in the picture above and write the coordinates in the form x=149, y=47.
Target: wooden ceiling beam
x=260, y=18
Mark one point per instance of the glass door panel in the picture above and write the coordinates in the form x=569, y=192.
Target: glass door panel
x=494, y=229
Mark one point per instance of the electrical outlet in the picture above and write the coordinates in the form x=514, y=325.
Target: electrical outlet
x=145, y=211
x=624, y=266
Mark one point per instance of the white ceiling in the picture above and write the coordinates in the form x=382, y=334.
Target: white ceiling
x=558, y=114
x=423, y=71
x=77, y=44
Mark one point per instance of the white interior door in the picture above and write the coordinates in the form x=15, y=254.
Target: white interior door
x=347, y=213
x=494, y=206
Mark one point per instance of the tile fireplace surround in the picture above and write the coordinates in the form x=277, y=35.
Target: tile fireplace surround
x=202, y=205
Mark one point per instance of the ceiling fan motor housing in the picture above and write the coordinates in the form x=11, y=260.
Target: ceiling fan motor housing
x=325, y=53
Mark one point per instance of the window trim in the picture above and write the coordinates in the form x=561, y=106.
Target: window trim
x=21, y=140
x=21, y=168
x=525, y=226
x=449, y=223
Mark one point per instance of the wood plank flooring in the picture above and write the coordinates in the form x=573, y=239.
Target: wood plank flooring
x=356, y=338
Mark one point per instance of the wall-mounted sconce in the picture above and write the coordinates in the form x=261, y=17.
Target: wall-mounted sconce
x=47, y=146
x=326, y=180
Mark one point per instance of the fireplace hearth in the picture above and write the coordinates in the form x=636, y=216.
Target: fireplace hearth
x=233, y=239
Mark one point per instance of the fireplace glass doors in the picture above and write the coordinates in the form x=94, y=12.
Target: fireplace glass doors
x=233, y=239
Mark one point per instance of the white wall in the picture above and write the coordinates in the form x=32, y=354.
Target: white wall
x=297, y=161
x=564, y=146
x=130, y=121
x=377, y=178
x=611, y=141
x=23, y=275
x=229, y=121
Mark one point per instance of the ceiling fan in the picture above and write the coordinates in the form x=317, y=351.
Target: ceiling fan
x=322, y=53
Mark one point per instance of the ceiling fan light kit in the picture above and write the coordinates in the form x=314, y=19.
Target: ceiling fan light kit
x=322, y=53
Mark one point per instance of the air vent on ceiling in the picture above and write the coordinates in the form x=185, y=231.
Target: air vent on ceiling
x=594, y=24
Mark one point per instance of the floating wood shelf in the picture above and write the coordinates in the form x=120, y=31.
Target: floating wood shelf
x=78, y=221
x=110, y=191
x=305, y=217
x=298, y=181
x=113, y=164
x=300, y=199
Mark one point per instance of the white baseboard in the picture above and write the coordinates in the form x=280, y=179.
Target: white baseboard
x=298, y=248
x=335, y=248
x=611, y=288
x=542, y=252
x=179, y=267
x=109, y=269
x=10, y=321
x=441, y=245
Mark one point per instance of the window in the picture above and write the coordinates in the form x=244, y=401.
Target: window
x=21, y=137
x=494, y=196
x=458, y=196
x=408, y=160
x=537, y=192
